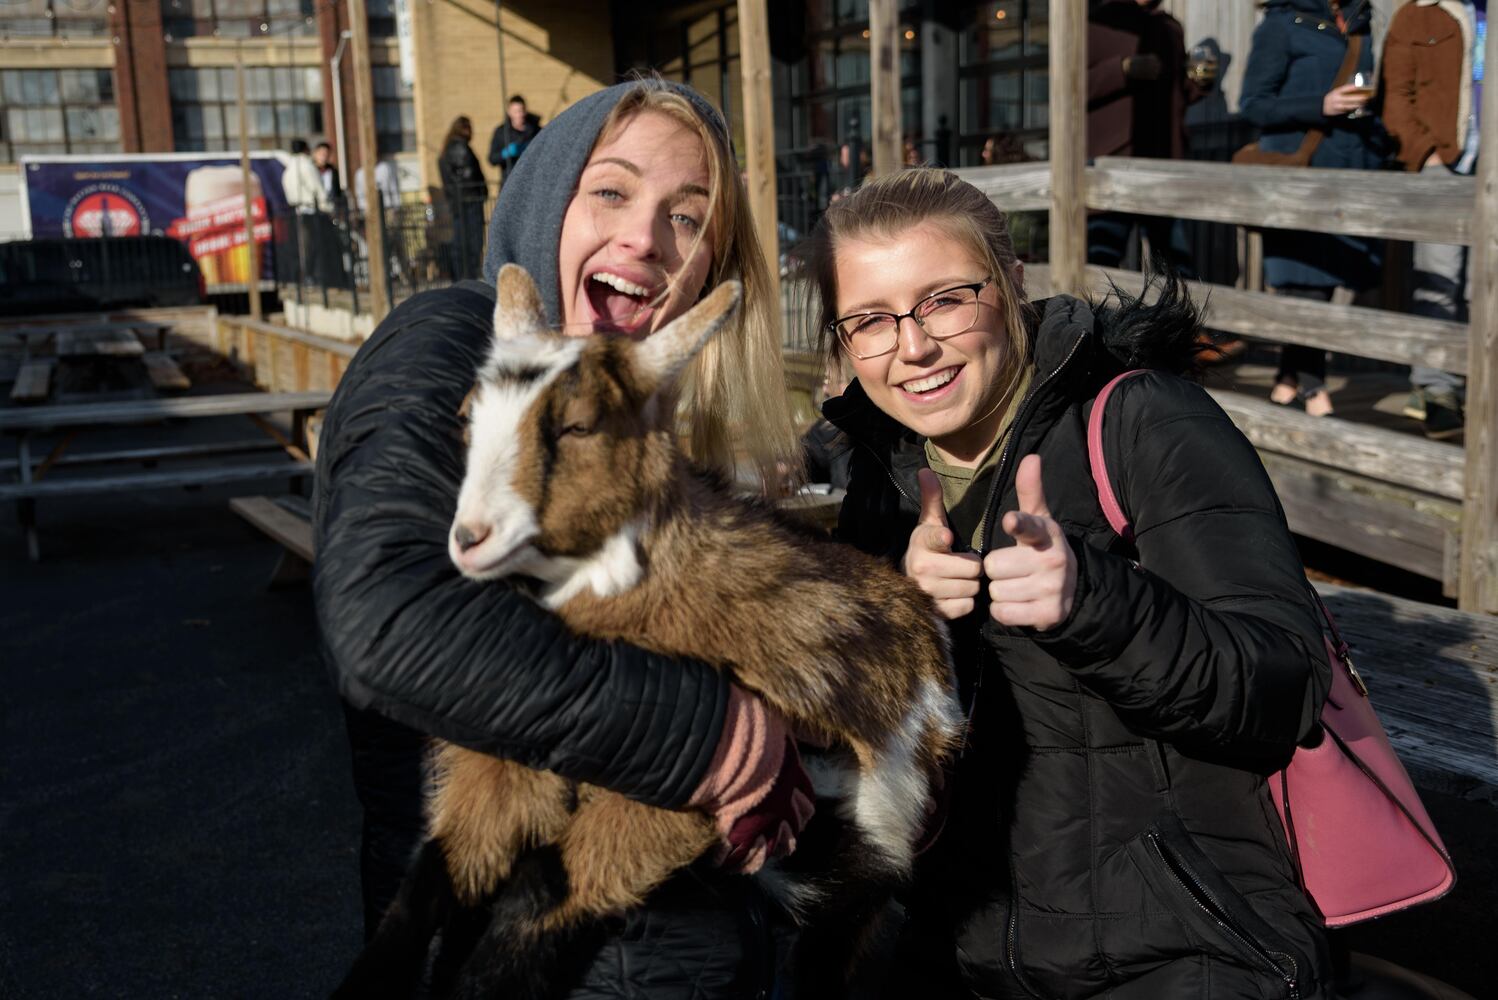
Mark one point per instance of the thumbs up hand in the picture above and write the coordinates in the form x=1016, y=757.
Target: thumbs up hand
x=950, y=578
x=1034, y=581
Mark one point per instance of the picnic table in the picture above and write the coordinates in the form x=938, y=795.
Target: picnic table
x=89, y=359
x=33, y=483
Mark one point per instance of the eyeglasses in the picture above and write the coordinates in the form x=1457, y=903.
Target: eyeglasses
x=941, y=315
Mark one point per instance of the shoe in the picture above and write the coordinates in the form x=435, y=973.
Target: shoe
x=1284, y=393
x=1414, y=406
x=1443, y=416
x=1319, y=404
x=1215, y=351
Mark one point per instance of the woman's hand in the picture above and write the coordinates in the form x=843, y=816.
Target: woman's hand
x=1344, y=100
x=1034, y=581
x=950, y=578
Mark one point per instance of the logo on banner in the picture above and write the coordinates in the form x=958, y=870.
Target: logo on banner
x=105, y=210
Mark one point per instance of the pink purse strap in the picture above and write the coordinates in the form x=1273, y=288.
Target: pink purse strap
x=1112, y=509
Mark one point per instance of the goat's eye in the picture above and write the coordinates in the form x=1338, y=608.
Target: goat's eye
x=577, y=430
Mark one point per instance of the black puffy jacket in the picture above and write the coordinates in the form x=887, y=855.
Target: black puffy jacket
x=1111, y=833
x=408, y=639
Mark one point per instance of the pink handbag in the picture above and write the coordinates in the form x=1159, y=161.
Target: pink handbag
x=1361, y=840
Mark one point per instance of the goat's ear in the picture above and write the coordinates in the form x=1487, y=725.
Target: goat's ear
x=517, y=304
x=660, y=357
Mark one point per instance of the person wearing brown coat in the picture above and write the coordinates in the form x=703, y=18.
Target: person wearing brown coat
x=1432, y=72
x=1137, y=93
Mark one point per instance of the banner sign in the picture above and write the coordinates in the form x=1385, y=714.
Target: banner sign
x=198, y=199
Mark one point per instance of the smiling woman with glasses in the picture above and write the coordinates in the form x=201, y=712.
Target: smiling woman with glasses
x=1109, y=830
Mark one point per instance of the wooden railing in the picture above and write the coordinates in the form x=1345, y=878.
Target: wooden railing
x=1418, y=504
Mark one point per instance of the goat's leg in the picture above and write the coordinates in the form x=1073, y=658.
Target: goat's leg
x=390, y=966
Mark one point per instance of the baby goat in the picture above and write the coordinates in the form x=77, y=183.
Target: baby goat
x=575, y=480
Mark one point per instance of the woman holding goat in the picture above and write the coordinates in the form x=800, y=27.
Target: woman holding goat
x=1109, y=829
x=625, y=210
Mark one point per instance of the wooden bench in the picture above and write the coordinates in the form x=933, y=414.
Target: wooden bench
x=74, y=418
x=1432, y=673
x=33, y=381
x=165, y=373
x=288, y=521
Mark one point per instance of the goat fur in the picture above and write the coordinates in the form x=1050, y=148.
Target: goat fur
x=575, y=480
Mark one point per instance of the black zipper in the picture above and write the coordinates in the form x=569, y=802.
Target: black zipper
x=1014, y=433
x=1011, y=941
x=1203, y=898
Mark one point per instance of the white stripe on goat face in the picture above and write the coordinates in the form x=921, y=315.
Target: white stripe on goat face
x=499, y=523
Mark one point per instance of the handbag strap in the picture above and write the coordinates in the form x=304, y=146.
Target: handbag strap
x=1112, y=509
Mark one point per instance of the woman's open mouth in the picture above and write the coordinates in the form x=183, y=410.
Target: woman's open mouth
x=619, y=305
x=929, y=388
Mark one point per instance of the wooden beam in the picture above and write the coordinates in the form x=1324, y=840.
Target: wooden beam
x=1477, y=588
x=147, y=410
x=759, y=133
x=247, y=181
x=884, y=86
x=1068, y=68
x=1013, y=187
x=158, y=480
x=1384, y=455
x=1386, y=204
x=1367, y=333
x=364, y=132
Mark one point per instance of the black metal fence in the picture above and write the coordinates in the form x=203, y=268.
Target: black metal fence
x=324, y=256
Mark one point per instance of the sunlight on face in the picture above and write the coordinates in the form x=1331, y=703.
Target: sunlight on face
x=636, y=243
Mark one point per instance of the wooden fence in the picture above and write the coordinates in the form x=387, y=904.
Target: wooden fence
x=1396, y=497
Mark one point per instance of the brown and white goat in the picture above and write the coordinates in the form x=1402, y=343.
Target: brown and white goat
x=575, y=480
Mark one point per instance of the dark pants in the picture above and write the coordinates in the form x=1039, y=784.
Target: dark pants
x=1108, y=240
x=1305, y=366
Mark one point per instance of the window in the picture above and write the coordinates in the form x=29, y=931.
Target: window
x=281, y=104
x=52, y=19
x=237, y=18
x=395, y=111
x=1003, y=86
x=57, y=111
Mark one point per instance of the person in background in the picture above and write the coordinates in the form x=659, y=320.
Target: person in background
x=309, y=244
x=1137, y=92
x=327, y=171
x=1004, y=147
x=464, y=187
x=1432, y=85
x=301, y=181
x=386, y=186
x=826, y=451
x=1297, y=51
x=512, y=136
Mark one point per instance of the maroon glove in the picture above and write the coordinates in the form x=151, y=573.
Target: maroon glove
x=768, y=830
x=755, y=788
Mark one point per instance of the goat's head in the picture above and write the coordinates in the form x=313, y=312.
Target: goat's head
x=569, y=438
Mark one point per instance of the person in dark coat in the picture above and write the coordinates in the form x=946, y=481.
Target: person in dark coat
x=1137, y=94
x=416, y=649
x=1109, y=832
x=1287, y=88
x=512, y=135
x=465, y=189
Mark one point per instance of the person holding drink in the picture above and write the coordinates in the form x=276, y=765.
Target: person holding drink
x=1294, y=91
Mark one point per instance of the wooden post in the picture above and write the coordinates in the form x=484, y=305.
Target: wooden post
x=247, y=181
x=884, y=86
x=1068, y=145
x=1477, y=584
x=759, y=132
x=364, y=118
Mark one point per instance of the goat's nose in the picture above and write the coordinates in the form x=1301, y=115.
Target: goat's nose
x=467, y=538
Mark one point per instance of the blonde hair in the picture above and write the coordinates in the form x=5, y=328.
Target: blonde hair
x=886, y=207
x=734, y=396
